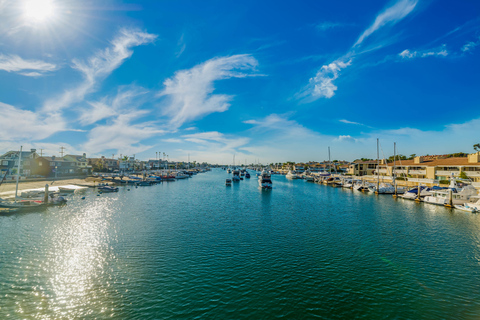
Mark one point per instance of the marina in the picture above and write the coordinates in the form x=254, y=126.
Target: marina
x=196, y=247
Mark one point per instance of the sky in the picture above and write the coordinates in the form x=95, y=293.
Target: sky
x=266, y=81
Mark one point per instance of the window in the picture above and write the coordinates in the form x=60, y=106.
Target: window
x=5, y=162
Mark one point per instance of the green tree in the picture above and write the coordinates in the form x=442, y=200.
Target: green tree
x=463, y=175
x=476, y=147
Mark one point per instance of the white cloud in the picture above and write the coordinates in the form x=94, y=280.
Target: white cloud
x=173, y=140
x=322, y=84
x=100, y=65
x=350, y=122
x=390, y=15
x=189, y=93
x=326, y=25
x=121, y=135
x=18, y=124
x=469, y=46
x=346, y=138
x=14, y=63
x=127, y=98
x=407, y=54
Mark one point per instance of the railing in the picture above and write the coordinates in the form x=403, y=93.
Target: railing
x=447, y=173
x=417, y=172
x=472, y=173
x=422, y=180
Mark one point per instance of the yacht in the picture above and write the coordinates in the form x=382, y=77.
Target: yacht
x=473, y=205
x=291, y=175
x=236, y=176
x=264, y=180
x=412, y=194
x=458, y=195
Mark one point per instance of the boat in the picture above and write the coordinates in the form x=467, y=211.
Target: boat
x=22, y=204
x=453, y=195
x=236, y=176
x=247, y=175
x=228, y=182
x=291, y=175
x=467, y=207
x=181, y=175
x=107, y=189
x=264, y=180
x=66, y=190
x=145, y=183
x=16, y=203
x=412, y=194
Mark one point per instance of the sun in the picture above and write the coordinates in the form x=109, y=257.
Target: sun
x=38, y=10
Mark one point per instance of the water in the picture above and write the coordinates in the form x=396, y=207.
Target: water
x=196, y=249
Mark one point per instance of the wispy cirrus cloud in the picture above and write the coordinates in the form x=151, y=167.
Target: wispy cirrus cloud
x=189, y=93
x=18, y=124
x=122, y=134
x=469, y=46
x=390, y=15
x=29, y=68
x=328, y=25
x=350, y=122
x=99, y=66
x=322, y=85
x=439, y=52
x=127, y=99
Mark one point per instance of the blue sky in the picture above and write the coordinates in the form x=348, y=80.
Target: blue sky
x=269, y=81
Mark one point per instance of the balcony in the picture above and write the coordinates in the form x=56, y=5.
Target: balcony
x=472, y=173
x=417, y=172
x=447, y=173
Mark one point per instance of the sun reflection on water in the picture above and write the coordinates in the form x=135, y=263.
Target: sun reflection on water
x=75, y=275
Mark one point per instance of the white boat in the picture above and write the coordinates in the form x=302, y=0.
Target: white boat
x=412, y=193
x=291, y=175
x=468, y=207
x=20, y=204
x=458, y=196
x=180, y=175
x=23, y=204
x=264, y=180
x=236, y=176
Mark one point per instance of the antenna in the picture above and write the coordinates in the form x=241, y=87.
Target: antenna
x=62, y=151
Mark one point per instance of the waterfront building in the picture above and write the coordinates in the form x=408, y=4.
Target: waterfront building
x=9, y=162
x=80, y=162
x=435, y=167
x=104, y=164
x=362, y=168
x=54, y=167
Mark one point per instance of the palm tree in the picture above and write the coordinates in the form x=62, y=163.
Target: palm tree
x=476, y=147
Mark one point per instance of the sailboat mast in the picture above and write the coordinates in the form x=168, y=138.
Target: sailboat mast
x=329, y=165
x=18, y=173
x=378, y=168
x=393, y=169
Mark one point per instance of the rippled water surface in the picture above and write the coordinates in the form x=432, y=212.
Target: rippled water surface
x=196, y=249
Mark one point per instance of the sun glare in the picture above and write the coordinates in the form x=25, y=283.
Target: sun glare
x=38, y=10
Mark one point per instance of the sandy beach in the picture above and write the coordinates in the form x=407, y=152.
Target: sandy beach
x=8, y=189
